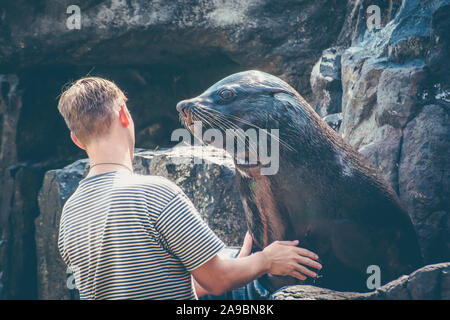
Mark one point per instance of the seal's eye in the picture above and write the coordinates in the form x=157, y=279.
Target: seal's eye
x=226, y=94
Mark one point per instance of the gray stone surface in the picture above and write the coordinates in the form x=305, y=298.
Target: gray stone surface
x=395, y=102
x=424, y=179
x=52, y=273
x=428, y=283
x=326, y=83
x=19, y=184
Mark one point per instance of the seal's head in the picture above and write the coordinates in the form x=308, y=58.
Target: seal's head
x=244, y=95
x=249, y=99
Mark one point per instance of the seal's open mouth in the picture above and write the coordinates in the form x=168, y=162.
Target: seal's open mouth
x=186, y=116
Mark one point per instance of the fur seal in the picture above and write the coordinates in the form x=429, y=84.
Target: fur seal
x=325, y=194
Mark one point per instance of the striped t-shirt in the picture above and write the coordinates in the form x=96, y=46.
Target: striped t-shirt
x=129, y=236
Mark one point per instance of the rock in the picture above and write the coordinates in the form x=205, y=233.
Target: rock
x=395, y=290
x=206, y=175
x=18, y=268
x=424, y=179
x=437, y=59
x=397, y=92
x=445, y=285
x=357, y=16
x=326, y=83
x=19, y=185
x=52, y=273
x=10, y=105
x=428, y=283
x=334, y=120
x=424, y=284
x=384, y=151
x=359, y=96
x=315, y=293
x=394, y=93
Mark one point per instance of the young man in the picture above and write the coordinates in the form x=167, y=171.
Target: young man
x=128, y=236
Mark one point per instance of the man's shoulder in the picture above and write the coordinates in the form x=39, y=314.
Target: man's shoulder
x=157, y=183
x=148, y=184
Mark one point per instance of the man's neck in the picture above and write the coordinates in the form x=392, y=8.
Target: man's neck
x=106, y=167
x=106, y=157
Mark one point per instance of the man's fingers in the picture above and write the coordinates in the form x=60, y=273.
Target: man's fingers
x=301, y=251
x=288, y=243
x=306, y=253
x=308, y=262
x=297, y=275
x=305, y=271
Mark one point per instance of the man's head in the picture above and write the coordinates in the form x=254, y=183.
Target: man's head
x=94, y=110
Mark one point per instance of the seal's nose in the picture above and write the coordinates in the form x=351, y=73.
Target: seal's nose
x=183, y=106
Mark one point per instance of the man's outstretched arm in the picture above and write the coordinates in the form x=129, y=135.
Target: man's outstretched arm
x=219, y=275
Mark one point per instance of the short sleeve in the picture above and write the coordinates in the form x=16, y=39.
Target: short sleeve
x=62, y=249
x=185, y=234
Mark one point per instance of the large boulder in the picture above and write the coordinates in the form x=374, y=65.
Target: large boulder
x=424, y=178
x=52, y=274
x=205, y=174
x=431, y=282
x=395, y=100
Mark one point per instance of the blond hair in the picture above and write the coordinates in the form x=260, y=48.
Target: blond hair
x=88, y=106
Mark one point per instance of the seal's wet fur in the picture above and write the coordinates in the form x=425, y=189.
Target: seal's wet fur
x=325, y=193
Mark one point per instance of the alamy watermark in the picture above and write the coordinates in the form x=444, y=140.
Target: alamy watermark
x=73, y=277
x=373, y=18
x=73, y=22
x=374, y=280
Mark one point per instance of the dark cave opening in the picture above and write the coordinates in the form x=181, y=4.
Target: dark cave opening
x=152, y=91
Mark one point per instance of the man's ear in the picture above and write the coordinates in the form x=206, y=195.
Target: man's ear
x=123, y=116
x=76, y=141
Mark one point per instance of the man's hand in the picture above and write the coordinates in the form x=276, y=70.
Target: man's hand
x=286, y=259
x=279, y=252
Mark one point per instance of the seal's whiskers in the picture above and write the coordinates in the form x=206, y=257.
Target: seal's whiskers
x=227, y=124
x=281, y=141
